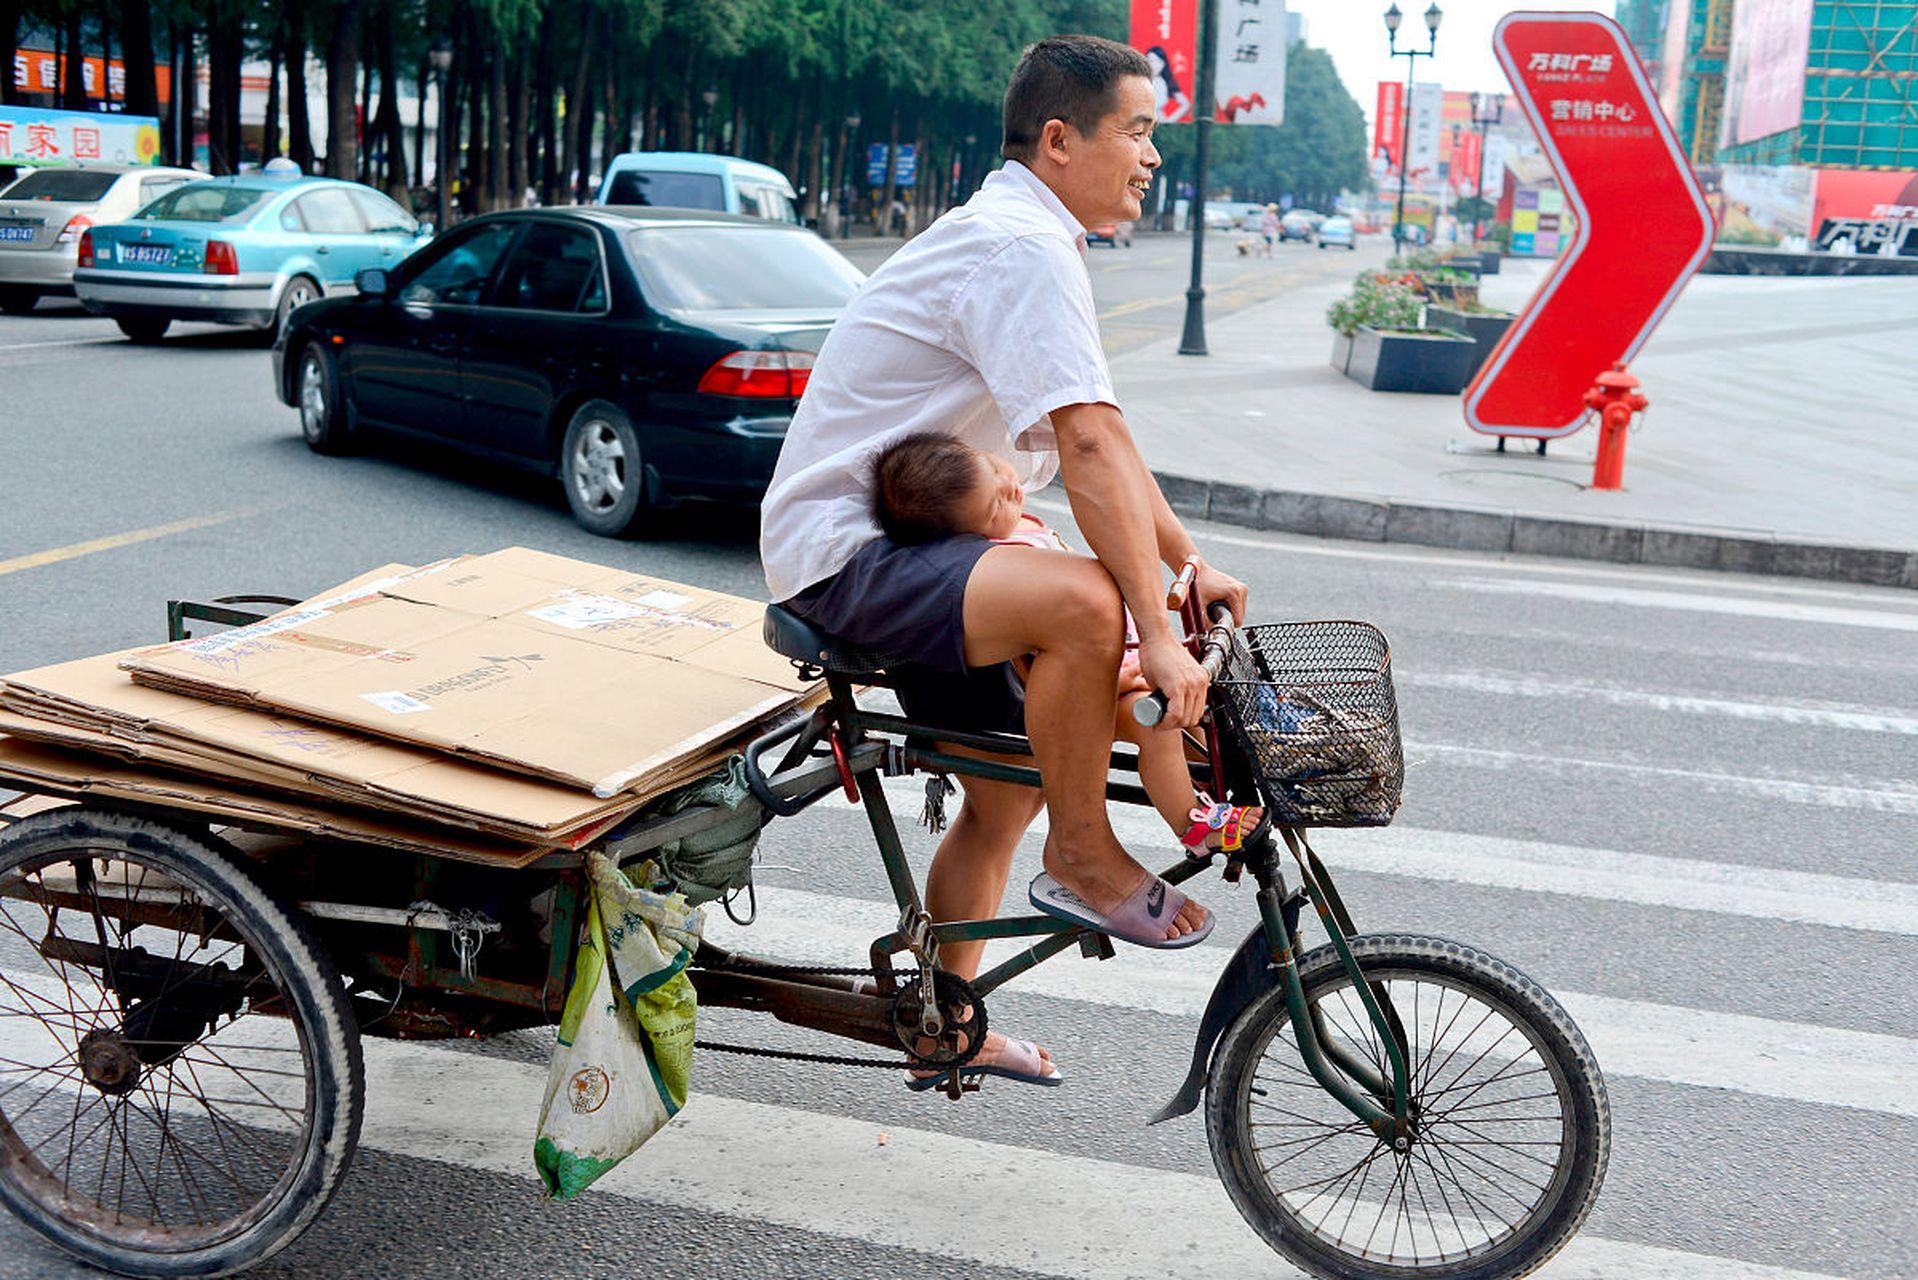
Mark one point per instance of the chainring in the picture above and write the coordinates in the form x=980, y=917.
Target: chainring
x=963, y=1013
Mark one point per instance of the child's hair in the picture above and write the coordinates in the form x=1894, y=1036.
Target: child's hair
x=918, y=483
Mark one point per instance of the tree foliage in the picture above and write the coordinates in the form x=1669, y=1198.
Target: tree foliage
x=539, y=94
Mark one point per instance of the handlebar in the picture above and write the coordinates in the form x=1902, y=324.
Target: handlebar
x=1217, y=644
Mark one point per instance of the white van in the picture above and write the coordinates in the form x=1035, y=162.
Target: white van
x=696, y=180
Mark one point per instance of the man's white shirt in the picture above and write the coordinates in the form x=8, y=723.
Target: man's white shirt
x=978, y=328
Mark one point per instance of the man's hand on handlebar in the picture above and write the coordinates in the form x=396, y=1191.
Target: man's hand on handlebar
x=1213, y=586
x=1167, y=667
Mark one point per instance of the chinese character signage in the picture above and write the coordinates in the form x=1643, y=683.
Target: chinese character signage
x=1428, y=104
x=33, y=137
x=1248, y=75
x=1627, y=216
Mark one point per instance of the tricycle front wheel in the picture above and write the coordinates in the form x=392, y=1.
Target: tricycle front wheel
x=180, y=1076
x=1512, y=1126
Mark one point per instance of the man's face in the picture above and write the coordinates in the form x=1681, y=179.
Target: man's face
x=1108, y=171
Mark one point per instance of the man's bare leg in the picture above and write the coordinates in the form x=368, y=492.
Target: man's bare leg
x=1065, y=610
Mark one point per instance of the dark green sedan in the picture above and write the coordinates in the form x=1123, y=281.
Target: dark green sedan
x=641, y=355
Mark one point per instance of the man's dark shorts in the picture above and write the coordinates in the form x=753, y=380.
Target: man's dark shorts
x=906, y=605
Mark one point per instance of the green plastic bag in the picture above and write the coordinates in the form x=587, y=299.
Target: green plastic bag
x=624, y=1059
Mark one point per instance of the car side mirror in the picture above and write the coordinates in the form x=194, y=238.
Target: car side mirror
x=373, y=283
x=421, y=230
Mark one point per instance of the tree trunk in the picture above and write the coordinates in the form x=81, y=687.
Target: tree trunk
x=473, y=183
x=387, y=124
x=342, y=73
x=883, y=223
x=498, y=165
x=10, y=46
x=299, y=127
x=270, y=126
x=137, y=50
x=649, y=124
x=226, y=46
x=545, y=98
x=423, y=79
x=810, y=206
x=368, y=123
x=519, y=135
x=579, y=111
x=73, y=79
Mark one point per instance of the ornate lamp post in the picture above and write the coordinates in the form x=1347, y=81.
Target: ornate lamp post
x=440, y=58
x=1495, y=102
x=1392, y=19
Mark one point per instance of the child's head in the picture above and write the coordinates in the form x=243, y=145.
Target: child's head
x=928, y=486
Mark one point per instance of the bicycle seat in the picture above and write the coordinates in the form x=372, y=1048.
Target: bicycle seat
x=791, y=636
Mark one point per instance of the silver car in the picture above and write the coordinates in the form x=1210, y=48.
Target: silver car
x=44, y=212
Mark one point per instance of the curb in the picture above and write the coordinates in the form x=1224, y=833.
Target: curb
x=1510, y=532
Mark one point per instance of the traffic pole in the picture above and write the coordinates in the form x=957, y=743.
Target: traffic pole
x=1192, y=342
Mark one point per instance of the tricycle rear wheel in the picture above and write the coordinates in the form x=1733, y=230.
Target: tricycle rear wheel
x=180, y=1076
x=1512, y=1124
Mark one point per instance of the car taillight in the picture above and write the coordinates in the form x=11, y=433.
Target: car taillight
x=220, y=260
x=86, y=248
x=767, y=375
x=76, y=227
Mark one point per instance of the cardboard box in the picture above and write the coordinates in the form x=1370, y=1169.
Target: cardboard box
x=592, y=677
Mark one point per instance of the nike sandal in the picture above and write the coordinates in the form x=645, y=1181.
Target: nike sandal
x=1141, y=919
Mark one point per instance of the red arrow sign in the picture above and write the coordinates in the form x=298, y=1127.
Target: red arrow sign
x=1642, y=224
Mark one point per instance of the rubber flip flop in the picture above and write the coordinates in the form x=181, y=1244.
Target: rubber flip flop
x=1031, y=1071
x=1141, y=919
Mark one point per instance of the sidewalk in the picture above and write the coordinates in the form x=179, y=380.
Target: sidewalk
x=1780, y=437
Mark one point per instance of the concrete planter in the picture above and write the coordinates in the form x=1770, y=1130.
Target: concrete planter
x=1431, y=361
x=1341, y=350
x=1485, y=329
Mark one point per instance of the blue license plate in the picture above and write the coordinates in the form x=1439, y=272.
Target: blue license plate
x=16, y=233
x=146, y=253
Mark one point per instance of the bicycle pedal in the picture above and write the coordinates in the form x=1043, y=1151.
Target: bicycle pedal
x=958, y=1086
x=1232, y=869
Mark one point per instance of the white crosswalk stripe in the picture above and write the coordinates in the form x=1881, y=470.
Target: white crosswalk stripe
x=1693, y=602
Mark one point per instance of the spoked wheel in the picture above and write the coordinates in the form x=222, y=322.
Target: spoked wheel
x=180, y=1075
x=1512, y=1124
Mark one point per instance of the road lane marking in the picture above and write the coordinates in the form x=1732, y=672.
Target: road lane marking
x=60, y=342
x=1892, y=798
x=1812, y=714
x=40, y=559
x=1692, y=602
x=1792, y=1061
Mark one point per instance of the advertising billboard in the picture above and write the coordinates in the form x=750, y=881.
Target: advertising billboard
x=1422, y=150
x=1166, y=32
x=1765, y=69
x=29, y=136
x=1388, y=122
x=1250, y=75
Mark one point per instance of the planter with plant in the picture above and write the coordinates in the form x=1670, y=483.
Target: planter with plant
x=1484, y=325
x=1382, y=345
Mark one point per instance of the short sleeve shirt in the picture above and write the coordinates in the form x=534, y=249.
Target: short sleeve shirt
x=979, y=327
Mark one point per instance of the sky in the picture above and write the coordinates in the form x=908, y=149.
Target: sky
x=1353, y=32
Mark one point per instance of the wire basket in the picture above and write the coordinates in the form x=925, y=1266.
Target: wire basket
x=1312, y=707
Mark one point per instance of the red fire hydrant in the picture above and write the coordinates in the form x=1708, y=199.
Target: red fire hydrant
x=1616, y=400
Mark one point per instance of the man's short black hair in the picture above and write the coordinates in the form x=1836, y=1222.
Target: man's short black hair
x=918, y=485
x=1069, y=78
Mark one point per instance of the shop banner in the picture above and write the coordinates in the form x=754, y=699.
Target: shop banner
x=1250, y=76
x=1428, y=105
x=1465, y=164
x=1167, y=32
x=1388, y=124
x=1867, y=210
x=29, y=136
x=1765, y=69
x=1637, y=222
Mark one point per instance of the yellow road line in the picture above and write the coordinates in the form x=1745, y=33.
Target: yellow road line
x=108, y=543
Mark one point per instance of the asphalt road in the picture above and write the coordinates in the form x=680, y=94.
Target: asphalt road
x=1683, y=802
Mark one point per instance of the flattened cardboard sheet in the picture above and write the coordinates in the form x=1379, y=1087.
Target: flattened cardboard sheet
x=590, y=676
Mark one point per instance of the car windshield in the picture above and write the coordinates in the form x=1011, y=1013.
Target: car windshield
x=666, y=189
x=205, y=202
x=741, y=268
x=81, y=186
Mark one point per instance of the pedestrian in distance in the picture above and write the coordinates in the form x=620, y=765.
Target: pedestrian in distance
x=1269, y=228
x=983, y=328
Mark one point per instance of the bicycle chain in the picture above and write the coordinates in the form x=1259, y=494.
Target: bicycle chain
x=904, y=976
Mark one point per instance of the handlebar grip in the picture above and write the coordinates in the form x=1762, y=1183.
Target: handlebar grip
x=1149, y=710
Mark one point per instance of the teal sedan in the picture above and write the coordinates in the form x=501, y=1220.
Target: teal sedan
x=242, y=251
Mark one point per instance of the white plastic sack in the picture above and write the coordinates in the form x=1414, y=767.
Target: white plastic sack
x=624, y=1058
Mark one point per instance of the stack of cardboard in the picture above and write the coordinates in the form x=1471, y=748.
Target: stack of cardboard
x=510, y=703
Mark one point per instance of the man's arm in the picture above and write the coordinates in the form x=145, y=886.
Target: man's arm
x=1176, y=547
x=1119, y=509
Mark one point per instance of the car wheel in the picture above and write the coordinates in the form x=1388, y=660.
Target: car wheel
x=601, y=470
x=298, y=292
x=18, y=302
x=142, y=329
x=316, y=389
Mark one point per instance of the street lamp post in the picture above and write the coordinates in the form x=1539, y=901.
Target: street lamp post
x=1482, y=123
x=440, y=57
x=1392, y=20
x=1204, y=108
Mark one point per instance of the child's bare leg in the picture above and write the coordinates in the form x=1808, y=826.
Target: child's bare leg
x=1162, y=766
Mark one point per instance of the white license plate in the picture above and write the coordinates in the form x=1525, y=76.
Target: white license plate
x=16, y=233
x=146, y=253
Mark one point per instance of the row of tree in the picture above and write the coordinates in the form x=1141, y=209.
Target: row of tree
x=539, y=94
